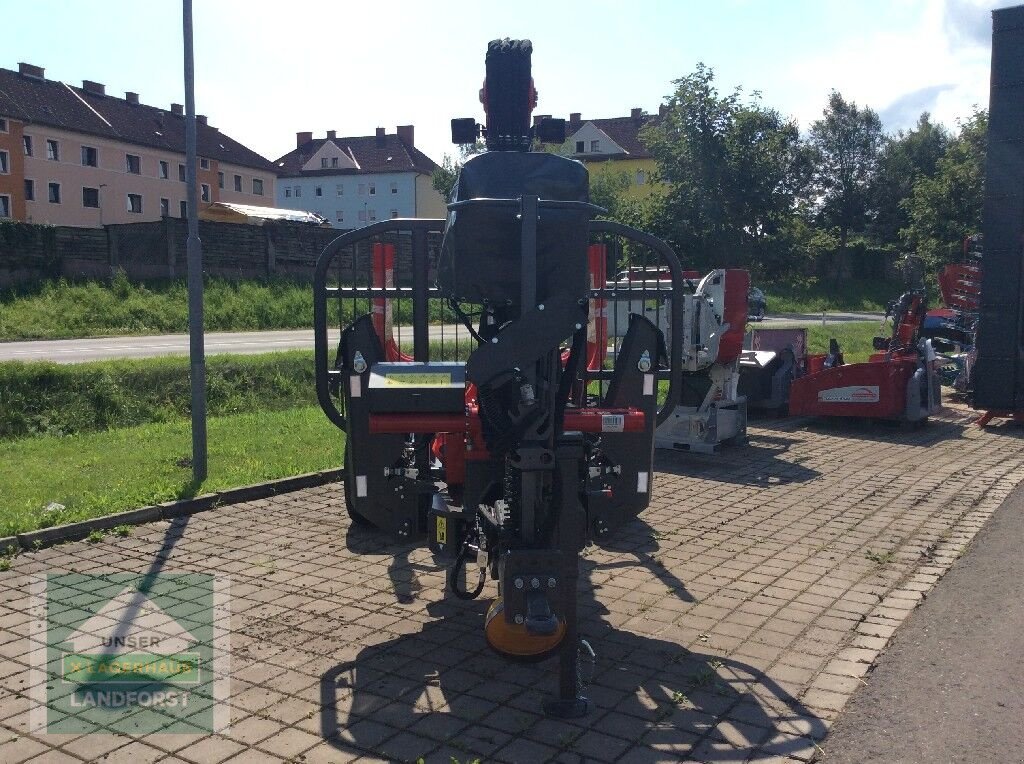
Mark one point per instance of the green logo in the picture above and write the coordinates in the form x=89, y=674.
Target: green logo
x=130, y=653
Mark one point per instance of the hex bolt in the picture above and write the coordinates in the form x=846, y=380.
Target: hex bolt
x=540, y=307
x=519, y=583
x=494, y=340
x=518, y=619
x=579, y=326
x=535, y=583
x=552, y=583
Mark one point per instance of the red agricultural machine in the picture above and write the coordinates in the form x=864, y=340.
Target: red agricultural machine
x=498, y=405
x=900, y=381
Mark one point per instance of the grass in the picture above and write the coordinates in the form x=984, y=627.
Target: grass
x=49, y=398
x=100, y=473
x=869, y=296
x=63, y=309
x=854, y=338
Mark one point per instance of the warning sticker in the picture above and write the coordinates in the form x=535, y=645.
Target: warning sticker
x=613, y=423
x=851, y=394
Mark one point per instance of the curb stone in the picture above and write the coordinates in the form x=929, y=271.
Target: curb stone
x=165, y=511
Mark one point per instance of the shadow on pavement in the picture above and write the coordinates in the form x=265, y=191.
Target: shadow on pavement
x=758, y=463
x=444, y=687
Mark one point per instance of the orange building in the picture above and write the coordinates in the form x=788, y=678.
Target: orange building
x=79, y=157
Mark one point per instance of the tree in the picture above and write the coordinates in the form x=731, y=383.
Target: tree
x=444, y=177
x=905, y=158
x=846, y=144
x=733, y=168
x=946, y=208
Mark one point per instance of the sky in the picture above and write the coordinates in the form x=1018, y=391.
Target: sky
x=266, y=70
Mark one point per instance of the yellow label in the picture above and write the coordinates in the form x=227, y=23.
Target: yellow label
x=424, y=378
x=442, y=530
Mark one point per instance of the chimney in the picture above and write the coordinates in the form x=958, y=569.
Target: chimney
x=177, y=109
x=302, y=138
x=30, y=70
x=96, y=88
x=407, y=135
x=575, y=117
x=201, y=119
x=537, y=118
x=636, y=113
x=380, y=136
x=663, y=110
x=131, y=97
x=332, y=134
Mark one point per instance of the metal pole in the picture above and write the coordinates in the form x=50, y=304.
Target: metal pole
x=194, y=250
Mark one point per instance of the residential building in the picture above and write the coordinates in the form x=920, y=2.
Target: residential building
x=79, y=157
x=359, y=180
x=612, y=145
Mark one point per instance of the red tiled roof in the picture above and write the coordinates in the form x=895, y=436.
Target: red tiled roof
x=52, y=103
x=373, y=155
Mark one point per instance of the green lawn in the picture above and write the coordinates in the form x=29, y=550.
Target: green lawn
x=99, y=473
x=853, y=295
x=854, y=338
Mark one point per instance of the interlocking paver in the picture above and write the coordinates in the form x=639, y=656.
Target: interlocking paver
x=732, y=620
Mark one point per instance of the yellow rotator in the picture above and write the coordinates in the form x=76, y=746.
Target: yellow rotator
x=513, y=641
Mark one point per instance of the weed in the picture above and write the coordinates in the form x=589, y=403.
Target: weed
x=5, y=564
x=680, y=699
x=95, y=536
x=880, y=558
x=123, y=530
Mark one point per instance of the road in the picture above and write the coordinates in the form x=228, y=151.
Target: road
x=247, y=343
x=950, y=688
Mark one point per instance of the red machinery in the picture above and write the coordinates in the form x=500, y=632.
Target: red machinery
x=899, y=382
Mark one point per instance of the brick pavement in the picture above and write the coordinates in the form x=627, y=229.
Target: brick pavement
x=732, y=622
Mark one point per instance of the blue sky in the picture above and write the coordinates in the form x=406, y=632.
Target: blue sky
x=268, y=69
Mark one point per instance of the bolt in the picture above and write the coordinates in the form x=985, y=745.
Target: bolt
x=518, y=619
x=519, y=583
x=540, y=307
x=494, y=340
x=551, y=583
x=535, y=583
x=579, y=326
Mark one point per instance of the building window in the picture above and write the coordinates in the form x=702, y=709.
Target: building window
x=238, y=183
x=204, y=192
x=165, y=171
x=323, y=163
x=341, y=189
x=5, y=206
x=373, y=189
x=26, y=143
x=204, y=163
x=298, y=191
x=394, y=187
x=132, y=164
x=3, y=125
x=362, y=216
x=181, y=173
x=30, y=190
x=373, y=215
x=165, y=208
x=183, y=209
x=5, y=163
x=220, y=180
x=319, y=191
x=334, y=161
x=135, y=203
x=90, y=157
x=595, y=146
x=339, y=215
x=257, y=186
x=54, y=193
x=394, y=213
x=579, y=147
x=641, y=177
x=90, y=197
x=52, y=150
x=287, y=193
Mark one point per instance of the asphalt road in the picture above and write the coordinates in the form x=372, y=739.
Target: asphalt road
x=950, y=688
x=105, y=348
